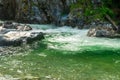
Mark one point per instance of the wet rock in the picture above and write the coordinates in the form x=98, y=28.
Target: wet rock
x=13, y=50
x=3, y=30
x=75, y=18
x=63, y=20
x=23, y=28
x=16, y=38
x=101, y=32
x=6, y=42
x=17, y=34
x=8, y=25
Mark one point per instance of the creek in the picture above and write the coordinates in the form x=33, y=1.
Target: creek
x=65, y=54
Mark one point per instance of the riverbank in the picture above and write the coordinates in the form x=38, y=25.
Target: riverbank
x=12, y=50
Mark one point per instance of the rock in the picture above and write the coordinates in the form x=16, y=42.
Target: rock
x=35, y=36
x=38, y=16
x=35, y=11
x=8, y=50
x=101, y=32
x=75, y=18
x=16, y=38
x=2, y=30
x=16, y=34
x=8, y=25
x=24, y=27
x=4, y=41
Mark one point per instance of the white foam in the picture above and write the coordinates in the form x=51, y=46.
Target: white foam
x=71, y=39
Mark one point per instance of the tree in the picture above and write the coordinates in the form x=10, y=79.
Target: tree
x=9, y=9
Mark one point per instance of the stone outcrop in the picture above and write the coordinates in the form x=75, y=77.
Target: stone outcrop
x=17, y=26
x=101, y=31
x=35, y=11
x=15, y=35
x=75, y=19
x=15, y=38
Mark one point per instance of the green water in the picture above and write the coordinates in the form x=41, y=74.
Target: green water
x=66, y=54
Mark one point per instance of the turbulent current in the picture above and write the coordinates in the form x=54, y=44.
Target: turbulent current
x=74, y=39
x=65, y=54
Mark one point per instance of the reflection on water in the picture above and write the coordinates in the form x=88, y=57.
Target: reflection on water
x=65, y=54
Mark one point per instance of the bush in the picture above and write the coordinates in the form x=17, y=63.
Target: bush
x=90, y=12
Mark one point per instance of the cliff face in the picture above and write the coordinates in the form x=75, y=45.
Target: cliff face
x=35, y=11
x=76, y=13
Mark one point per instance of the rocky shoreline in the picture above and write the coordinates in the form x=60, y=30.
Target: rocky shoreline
x=11, y=50
x=75, y=13
x=17, y=38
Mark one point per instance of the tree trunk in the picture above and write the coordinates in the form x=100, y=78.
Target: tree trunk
x=115, y=27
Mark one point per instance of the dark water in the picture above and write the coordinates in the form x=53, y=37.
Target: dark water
x=65, y=54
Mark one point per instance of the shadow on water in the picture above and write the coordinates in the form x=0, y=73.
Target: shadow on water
x=56, y=58
x=89, y=63
x=91, y=51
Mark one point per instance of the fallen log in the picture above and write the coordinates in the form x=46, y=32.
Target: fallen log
x=115, y=27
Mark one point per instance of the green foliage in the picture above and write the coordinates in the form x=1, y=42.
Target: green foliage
x=74, y=6
x=91, y=12
x=80, y=4
x=100, y=11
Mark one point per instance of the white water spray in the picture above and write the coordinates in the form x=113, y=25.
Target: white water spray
x=67, y=38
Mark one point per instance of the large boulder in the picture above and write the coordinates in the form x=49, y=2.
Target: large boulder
x=101, y=31
x=16, y=38
x=9, y=26
x=35, y=11
x=14, y=34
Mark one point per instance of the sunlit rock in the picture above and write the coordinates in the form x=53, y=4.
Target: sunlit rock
x=23, y=28
x=101, y=32
x=17, y=34
x=18, y=38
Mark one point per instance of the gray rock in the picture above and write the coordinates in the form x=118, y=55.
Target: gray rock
x=17, y=38
x=23, y=27
x=101, y=32
x=36, y=11
x=8, y=25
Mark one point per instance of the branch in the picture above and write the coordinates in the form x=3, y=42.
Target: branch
x=115, y=27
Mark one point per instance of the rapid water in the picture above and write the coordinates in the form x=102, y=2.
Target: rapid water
x=73, y=39
x=65, y=54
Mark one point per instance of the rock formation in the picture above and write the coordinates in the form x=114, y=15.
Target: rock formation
x=35, y=11
x=15, y=35
x=102, y=29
